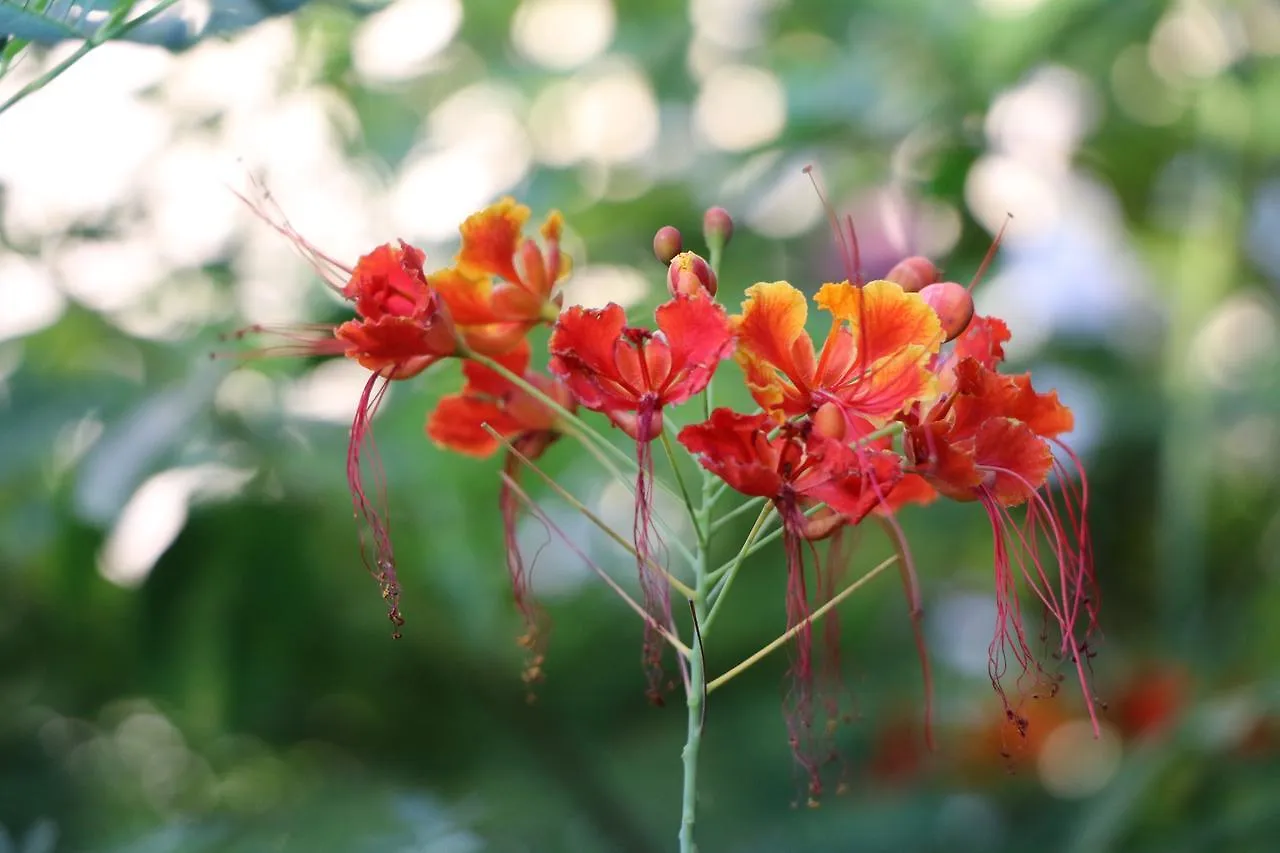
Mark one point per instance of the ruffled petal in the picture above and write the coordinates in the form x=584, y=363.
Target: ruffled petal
x=735, y=448
x=582, y=347
x=1015, y=458
x=771, y=332
x=699, y=335
x=883, y=319
x=490, y=239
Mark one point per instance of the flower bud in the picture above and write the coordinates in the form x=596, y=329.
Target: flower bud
x=914, y=273
x=953, y=305
x=822, y=524
x=691, y=275
x=667, y=243
x=717, y=228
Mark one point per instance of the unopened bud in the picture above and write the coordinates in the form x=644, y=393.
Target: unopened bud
x=914, y=273
x=691, y=275
x=953, y=305
x=829, y=421
x=822, y=524
x=667, y=243
x=717, y=228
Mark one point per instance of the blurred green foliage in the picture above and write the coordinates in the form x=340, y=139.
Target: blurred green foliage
x=246, y=693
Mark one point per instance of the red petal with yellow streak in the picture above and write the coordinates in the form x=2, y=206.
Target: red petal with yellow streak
x=1019, y=459
x=490, y=239
x=771, y=330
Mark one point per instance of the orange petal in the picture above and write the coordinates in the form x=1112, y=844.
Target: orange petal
x=457, y=422
x=1018, y=458
x=911, y=489
x=1044, y=413
x=482, y=380
x=490, y=239
x=470, y=298
x=883, y=319
x=771, y=336
x=889, y=386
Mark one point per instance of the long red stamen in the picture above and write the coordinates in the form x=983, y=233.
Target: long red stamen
x=534, y=638
x=653, y=586
x=372, y=513
x=333, y=272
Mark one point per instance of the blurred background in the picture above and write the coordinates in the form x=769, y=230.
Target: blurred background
x=192, y=657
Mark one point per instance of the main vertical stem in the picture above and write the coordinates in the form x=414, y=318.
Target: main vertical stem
x=694, y=701
x=697, y=685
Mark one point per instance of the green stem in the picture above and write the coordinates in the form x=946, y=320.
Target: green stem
x=795, y=629
x=568, y=498
x=114, y=27
x=741, y=509
x=591, y=441
x=695, y=515
x=737, y=563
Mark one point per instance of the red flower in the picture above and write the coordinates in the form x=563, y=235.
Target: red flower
x=630, y=374
x=991, y=438
x=796, y=466
x=501, y=284
x=458, y=423
x=402, y=327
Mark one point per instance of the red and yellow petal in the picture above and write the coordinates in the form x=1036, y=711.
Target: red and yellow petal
x=735, y=447
x=771, y=329
x=883, y=319
x=470, y=298
x=490, y=239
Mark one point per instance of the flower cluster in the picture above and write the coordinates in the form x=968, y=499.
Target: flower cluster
x=901, y=401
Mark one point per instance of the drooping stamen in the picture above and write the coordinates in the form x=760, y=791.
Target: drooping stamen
x=372, y=513
x=915, y=604
x=655, y=592
x=334, y=273
x=534, y=638
x=1017, y=552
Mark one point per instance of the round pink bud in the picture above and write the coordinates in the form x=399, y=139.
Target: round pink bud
x=953, y=305
x=691, y=275
x=914, y=273
x=667, y=243
x=717, y=227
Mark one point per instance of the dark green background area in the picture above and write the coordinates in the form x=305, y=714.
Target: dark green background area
x=248, y=696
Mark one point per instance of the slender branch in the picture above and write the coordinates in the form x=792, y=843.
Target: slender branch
x=795, y=629
x=694, y=514
x=604, y=576
x=741, y=509
x=722, y=590
x=675, y=582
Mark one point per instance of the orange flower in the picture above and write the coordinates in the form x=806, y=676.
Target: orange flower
x=501, y=284
x=531, y=426
x=873, y=364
